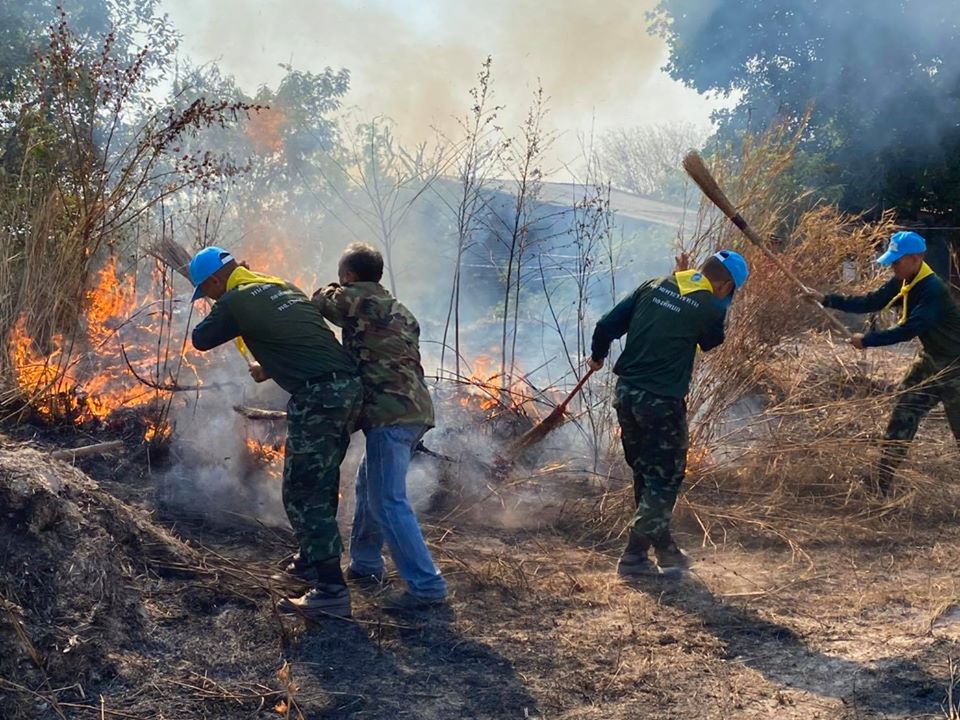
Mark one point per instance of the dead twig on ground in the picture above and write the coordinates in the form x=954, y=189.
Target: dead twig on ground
x=87, y=450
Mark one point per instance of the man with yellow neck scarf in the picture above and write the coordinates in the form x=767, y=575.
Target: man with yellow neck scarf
x=665, y=320
x=926, y=312
x=295, y=348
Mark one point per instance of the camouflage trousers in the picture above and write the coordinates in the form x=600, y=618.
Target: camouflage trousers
x=924, y=386
x=320, y=419
x=653, y=430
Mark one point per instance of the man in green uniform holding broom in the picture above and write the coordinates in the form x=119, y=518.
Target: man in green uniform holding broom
x=295, y=348
x=665, y=320
x=927, y=312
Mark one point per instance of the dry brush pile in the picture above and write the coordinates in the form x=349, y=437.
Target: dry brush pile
x=93, y=592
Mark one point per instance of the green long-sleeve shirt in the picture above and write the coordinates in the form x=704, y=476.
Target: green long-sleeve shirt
x=283, y=330
x=663, y=328
x=932, y=316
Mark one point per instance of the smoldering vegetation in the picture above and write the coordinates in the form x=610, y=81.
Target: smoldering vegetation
x=507, y=270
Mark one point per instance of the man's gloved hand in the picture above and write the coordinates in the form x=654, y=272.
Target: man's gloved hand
x=594, y=364
x=857, y=341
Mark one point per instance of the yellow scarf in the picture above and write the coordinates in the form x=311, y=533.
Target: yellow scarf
x=689, y=281
x=240, y=277
x=923, y=272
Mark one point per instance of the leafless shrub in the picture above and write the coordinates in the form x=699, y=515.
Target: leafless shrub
x=644, y=159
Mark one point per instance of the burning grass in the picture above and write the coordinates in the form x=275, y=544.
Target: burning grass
x=89, y=376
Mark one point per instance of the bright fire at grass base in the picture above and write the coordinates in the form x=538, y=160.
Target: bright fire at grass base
x=84, y=379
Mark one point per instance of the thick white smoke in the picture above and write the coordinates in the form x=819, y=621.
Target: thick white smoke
x=415, y=61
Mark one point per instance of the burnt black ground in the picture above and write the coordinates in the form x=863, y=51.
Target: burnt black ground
x=538, y=626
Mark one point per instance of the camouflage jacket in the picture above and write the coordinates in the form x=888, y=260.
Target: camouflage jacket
x=384, y=337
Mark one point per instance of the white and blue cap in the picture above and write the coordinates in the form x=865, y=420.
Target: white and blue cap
x=902, y=243
x=204, y=264
x=736, y=265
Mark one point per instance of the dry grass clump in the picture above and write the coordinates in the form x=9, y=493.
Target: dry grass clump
x=86, y=577
x=819, y=243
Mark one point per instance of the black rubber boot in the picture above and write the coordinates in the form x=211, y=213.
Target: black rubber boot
x=329, y=598
x=302, y=570
x=635, y=560
x=670, y=558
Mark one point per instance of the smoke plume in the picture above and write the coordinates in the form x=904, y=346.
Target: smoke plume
x=414, y=62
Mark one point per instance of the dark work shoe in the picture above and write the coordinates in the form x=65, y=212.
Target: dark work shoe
x=366, y=581
x=635, y=560
x=299, y=570
x=671, y=559
x=633, y=565
x=406, y=600
x=322, y=601
x=302, y=571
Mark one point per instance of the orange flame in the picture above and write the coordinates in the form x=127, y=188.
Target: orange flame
x=265, y=452
x=698, y=458
x=158, y=434
x=92, y=382
x=483, y=389
x=268, y=456
x=37, y=374
x=264, y=130
x=266, y=252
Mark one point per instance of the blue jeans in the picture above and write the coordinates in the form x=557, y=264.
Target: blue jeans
x=383, y=513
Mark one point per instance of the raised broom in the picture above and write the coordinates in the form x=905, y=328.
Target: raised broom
x=171, y=254
x=699, y=173
x=550, y=423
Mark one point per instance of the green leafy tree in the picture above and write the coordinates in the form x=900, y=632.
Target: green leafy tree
x=24, y=32
x=883, y=77
x=290, y=149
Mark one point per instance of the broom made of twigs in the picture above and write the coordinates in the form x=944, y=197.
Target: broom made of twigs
x=550, y=423
x=699, y=173
x=176, y=257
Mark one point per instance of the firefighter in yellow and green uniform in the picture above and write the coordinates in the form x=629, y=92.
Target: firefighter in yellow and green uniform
x=294, y=347
x=927, y=312
x=665, y=320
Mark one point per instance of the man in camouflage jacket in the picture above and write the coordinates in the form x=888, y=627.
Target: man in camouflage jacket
x=294, y=346
x=384, y=338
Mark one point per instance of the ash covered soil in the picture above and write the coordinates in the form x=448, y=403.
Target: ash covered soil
x=116, y=607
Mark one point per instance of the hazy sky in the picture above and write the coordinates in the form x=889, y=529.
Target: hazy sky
x=415, y=60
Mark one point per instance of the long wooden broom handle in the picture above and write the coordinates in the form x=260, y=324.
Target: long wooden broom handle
x=699, y=173
x=738, y=220
x=573, y=393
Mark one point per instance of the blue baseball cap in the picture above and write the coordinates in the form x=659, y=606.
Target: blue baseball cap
x=204, y=264
x=902, y=243
x=736, y=265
